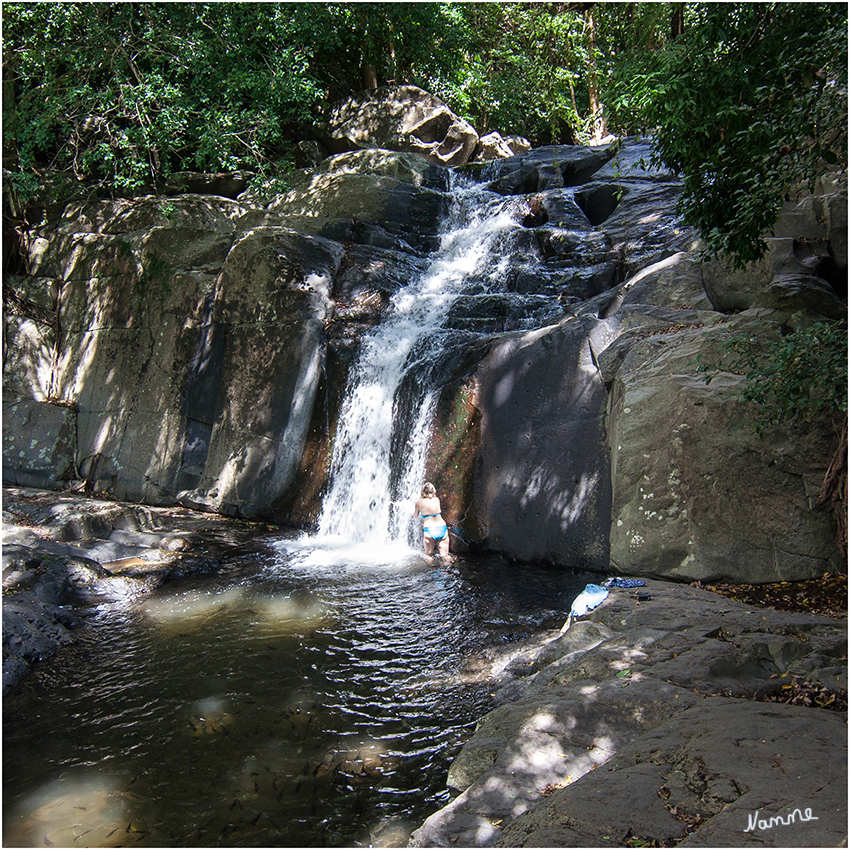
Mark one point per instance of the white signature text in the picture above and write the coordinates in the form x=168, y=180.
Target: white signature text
x=778, y=820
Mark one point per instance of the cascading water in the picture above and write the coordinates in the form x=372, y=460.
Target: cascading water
x=371, y=491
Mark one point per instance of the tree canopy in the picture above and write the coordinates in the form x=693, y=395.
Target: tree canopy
x=744, y=100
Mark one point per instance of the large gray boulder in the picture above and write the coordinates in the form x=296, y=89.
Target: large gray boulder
x=493, y=146
x=401, y=118
x=805, y=266
x=380, y=198
x=272, y=297
x=549, y=167
x=29, y=318
x=687, y=784
x=634, y=204
x=205, y=342
x=542, y=486
x=697, y=494
x=376, y=162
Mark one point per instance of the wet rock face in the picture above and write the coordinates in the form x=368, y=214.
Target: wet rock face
x=551, y=167
x=543, y=478
x=192, y=331
x=676, y=451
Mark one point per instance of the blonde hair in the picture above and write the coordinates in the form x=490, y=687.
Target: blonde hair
x=428, y=489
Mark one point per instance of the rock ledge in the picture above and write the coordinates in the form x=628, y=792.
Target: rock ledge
x=659, y=721
x=66, y=555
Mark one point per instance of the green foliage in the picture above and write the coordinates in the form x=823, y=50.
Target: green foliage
x=793, y=378
x=167, y=209
x=526, y=74
x=126, y=93
x=403, y=42
x=129, y=92
x=747, y=103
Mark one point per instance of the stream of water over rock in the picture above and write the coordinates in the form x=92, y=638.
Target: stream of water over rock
x=370, y=496
x=313, y=691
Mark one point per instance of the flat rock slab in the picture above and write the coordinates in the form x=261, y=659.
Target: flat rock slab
x=649, y=721
x=715, y=775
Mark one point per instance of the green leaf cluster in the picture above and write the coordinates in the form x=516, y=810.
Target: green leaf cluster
x=793, y=378
x=126, y=93
x=527, y=73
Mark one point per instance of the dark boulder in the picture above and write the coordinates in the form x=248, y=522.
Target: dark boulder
x=544, y=168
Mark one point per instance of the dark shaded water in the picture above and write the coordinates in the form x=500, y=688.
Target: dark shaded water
x=281, y=702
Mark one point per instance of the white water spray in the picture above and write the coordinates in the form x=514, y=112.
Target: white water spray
x=360, y=507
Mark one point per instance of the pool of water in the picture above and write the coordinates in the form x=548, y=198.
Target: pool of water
x=287, y=700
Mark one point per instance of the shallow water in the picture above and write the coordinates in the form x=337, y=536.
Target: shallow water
x=302, y=696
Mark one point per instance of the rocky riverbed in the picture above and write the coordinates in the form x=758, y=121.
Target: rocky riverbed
x=65, y=554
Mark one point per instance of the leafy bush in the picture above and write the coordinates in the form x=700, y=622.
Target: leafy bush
x=793, y=378
x=125, y=93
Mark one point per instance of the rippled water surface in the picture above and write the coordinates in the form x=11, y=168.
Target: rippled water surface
x=280, y=702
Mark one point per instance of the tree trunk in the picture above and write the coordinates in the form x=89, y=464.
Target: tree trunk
x=599, y=130
x=677, y=20
x=368, y=75
x=393, y=65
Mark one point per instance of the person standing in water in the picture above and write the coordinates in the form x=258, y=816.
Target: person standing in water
x=435, y=533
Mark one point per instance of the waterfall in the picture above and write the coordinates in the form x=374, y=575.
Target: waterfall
x=371, y=492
